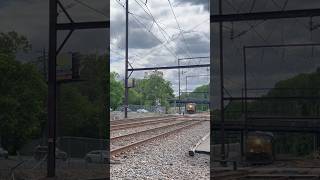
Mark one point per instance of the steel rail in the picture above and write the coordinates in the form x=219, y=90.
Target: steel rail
x=148, y=130
x=120, y=150
x=116, y=122
x=133, y=125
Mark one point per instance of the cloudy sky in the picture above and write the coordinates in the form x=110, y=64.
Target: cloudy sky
x=156, y=38
x=267, y=66
x=161, y=44
x=31, y=18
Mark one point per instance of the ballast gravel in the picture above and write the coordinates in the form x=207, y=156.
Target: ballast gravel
x=166, y=158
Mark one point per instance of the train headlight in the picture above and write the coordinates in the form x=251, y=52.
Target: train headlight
x=257, y=141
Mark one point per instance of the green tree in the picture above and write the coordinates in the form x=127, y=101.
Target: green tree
x=83, y=105
x=22, y=102
x=153, y=88
x=12, y=42
x=116, y=91
x=135, y=97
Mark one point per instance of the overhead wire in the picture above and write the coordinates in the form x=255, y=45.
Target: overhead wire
x=182, y=35
x=90, y=7
x=171, y=38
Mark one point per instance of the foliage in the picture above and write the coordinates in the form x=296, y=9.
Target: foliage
x=12, y=42
x=153, y=88
x=22, y=102
x=146, y=92
x=83, y=106
x=302, y=85
x=199, y=93
x=135, y=97
x=116, y=91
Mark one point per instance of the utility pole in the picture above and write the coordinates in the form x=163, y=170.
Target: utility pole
x=126, y=91
x=179, y=87
x=223, y=153
x=54, y=27
x=52, y=89
x=186, y=84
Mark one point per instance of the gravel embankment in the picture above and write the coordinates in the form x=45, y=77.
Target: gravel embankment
x=166, y=159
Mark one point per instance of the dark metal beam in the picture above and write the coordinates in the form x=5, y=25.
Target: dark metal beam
x=201, y=57
x=282, y=45
x=83, y=25
x=265, y=15
x=285, y=117
x=270, y=98
x=52, y=90
x=170, y=67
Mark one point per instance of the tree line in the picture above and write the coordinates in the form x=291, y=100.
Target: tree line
x=147, y=91
x=81, y=106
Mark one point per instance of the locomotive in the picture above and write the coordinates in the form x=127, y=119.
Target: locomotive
x=259, y=148
x=191, y=108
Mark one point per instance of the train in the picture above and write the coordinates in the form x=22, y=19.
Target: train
x=259, y=147
x=191, y=108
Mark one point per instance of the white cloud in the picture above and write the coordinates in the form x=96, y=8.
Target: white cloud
x=148, y=51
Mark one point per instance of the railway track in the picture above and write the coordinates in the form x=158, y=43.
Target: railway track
x=125, y=148
x=123, y=121
x=242, y=175
x=146, y=131
x=282, y=176
x=142, y=123
x=271, y=174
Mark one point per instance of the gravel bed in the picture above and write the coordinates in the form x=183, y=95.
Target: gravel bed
x=137, y=129
x=166, y=159
x=139, y=137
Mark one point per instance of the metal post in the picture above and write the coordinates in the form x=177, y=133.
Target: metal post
x=241, y=144
x=179, y=87
x=186, y=84
x=52, y=88
x=44, y=63
x=223, y=153
x=245, y=98
x=126, y=64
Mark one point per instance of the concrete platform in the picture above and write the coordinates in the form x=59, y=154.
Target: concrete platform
x=203, y=146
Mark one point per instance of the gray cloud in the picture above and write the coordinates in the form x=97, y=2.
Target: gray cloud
x=205, y=3
x=196, y=44
x=267, y=66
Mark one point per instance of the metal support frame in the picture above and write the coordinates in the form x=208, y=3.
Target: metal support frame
x=201, y=75
x=54, y=27
x=131, y=70
x=264, y=15
x=126, y=77
x=246, y=98
x=254, y=16
x=179, y=73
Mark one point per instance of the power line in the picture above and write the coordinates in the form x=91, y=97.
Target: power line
x=155, y=21
x=162, y=31
x=174, y=38
x=141, y=24
x=90, y=7
x=175, y=17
